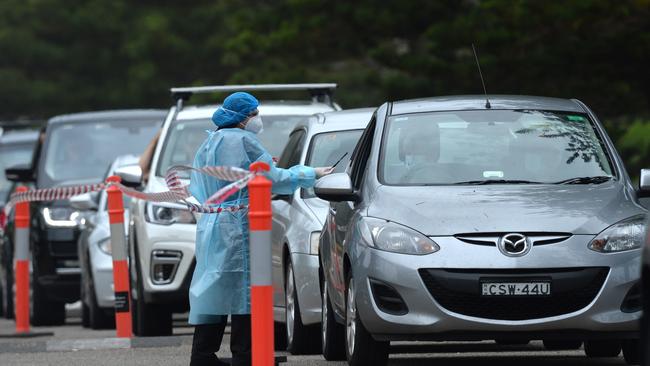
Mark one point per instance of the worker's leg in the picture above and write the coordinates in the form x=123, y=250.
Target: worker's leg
x=240, y=340
x=206, y=343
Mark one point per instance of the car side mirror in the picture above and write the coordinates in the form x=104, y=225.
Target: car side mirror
x=282, y=197
x=644, y=183
x=20, y=173
x=131, y=175
x=335, y=188
x=83, y=202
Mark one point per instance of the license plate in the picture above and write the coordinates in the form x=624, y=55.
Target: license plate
x=516, y=288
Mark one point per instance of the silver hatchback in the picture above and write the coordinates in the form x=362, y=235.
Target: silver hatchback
x=455, y=221
x=322, y=140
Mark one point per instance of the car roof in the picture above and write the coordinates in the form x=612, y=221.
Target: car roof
x=473, y=102
x=18, y=137
x=349, y=119
x=109, y=115
x=277, y=108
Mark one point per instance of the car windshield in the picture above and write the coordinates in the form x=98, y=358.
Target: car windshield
x=82, y=151
x=185, y=136
x=12, y=155
x=328, y=148
x=498, y=146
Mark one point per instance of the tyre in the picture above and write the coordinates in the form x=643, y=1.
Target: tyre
x=85, y=316
x=301, y=339
x=332, y=344
x=98, y=318
x=360, y=348
x=150, y=320
x=279, y=336
x=632, y=351
x=44, y=311
x=561, y=345
x=7, y=301
x=602, y=348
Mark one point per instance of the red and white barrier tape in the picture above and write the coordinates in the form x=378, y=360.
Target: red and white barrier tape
x=178, y=192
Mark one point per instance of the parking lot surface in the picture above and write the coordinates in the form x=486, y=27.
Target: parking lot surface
x=73, y=345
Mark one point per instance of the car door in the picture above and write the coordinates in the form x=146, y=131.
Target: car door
x=341, y=213
x=281, y=206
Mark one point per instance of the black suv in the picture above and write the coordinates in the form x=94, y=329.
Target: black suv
x=73, y=149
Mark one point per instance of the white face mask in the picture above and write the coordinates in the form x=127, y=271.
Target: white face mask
x=254, y=125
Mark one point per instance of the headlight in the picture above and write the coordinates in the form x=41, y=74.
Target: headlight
x=105, y=245
x=167, y=215
x=60, y=216
x=396, y=238
x=313, y=242
x=625, y=235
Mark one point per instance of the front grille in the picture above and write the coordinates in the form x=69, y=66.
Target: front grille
x=458, y=290
x=491, y=239
x=63, y=249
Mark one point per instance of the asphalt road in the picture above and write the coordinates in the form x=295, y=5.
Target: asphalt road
x=73, y=345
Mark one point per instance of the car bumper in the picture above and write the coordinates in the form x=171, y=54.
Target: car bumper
x=426, y=318
x=305, y=267
x=177, y=238
x=102, y=274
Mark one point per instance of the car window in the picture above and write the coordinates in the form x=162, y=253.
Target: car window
x=81, y=151
x=276, y=131
x=181, y=143
x=327, y=148
x=361, y=153
x=464, y=146
x=293, y=150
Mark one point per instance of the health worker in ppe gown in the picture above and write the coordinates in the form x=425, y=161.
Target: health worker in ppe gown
x=221, y=280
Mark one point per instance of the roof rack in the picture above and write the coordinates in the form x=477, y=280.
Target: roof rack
x=320, y=92
x=21, y=123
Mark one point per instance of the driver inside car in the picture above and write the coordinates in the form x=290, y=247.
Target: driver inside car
x=419, y=151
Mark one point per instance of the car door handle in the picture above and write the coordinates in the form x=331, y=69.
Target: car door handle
x=332, y=211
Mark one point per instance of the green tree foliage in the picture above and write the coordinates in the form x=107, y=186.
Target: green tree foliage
x=61, y=56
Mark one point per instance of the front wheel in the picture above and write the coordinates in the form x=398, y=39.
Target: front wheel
x=7, y=302
x=602, y=348
x=301, y=339
x=43, y=311
x=150, y=319
x=332, y=344
x=632, y=351
x=360, y=347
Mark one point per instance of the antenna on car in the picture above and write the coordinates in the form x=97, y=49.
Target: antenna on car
x=487, y=100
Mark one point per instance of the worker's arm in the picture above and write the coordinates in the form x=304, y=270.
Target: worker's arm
x=285, y=181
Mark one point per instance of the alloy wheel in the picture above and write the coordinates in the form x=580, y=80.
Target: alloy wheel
x=290, y=304
x=323, y=322
x=351, y=318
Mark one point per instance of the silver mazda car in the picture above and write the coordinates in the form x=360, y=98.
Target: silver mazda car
x=459, y=219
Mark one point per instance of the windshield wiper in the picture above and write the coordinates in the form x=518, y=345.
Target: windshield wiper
x=497, y=181
x=586, y=180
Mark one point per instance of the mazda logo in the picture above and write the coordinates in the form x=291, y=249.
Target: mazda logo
x=514, y=245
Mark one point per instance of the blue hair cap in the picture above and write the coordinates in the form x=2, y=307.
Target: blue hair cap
x=235, y=108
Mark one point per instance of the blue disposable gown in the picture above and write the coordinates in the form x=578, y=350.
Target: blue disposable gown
x=221, y=280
